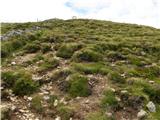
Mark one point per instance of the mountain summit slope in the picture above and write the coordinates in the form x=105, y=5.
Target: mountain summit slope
x=80, y=69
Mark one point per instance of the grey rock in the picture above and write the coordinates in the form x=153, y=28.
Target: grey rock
x=151, y=106
x=141, y=114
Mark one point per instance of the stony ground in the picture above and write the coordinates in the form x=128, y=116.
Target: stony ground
x=80, y=70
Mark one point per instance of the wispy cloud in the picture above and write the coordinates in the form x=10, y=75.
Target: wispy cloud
x=133, y=11
x=144, y=12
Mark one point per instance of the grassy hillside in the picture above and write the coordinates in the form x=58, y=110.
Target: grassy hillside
x=80, y=70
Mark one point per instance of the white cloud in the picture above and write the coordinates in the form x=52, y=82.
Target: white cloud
x=30, y=10
x=145, y=12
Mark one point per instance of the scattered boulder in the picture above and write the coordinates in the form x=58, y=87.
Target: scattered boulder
x=141, y=114
x=58, y=118
x=151, y=106
x=55, y=103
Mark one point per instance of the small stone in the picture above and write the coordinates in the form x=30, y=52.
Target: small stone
x=29, y=98
x=113, y=90
x=118, y=99
x=151, y=82
x=58, y=118
x=13, y=108
x=46, y=97
x=78, y=98
x=108, y=114
x=13, y=63
x=70, y=118
x=151, y=106
x=124, y=91
x=55, y=103
x=22, y=111
x=141, y=114
x=45, y=92
x=87, y=101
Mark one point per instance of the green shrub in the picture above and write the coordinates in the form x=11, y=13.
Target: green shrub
x=116, y=77
x=91, y=68
x=65, y=112
x=36, y=104
x=153, y=92
x=79, y=86
x=87, y=55
x=32, y=48
x=9, y=78
x=67, y=50
x=51, y=100
x=24, y=86
x=48, y=64
x=109, y=99
x=45, y=48
x=97, y=116
x=8, y=47
x=114, y=56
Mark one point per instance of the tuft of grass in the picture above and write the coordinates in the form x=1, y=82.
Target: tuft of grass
x=45, y=48
x=78, y=86
x=91, y=68
x=97, y=116
x=109, y=99
x=67, y=50
x=51, y=100
x=153, y=92
x=65, y=112
x=36, y=104
x=9, y=78
x=87, y=55
x=32, y=48
x=20, y=82
x=116, y=77
x=47, y=64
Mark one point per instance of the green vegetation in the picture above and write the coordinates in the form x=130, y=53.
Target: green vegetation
x=48, y=64
x=78, y=86
x=67, y=50
x=65, y=112
x=36, y=104
x=97, y=116
x=82, y=57
x=87, y=55
x=109, y=99
x=91, y=68
x=32, y=48
x=116, y=77
x=21, y=82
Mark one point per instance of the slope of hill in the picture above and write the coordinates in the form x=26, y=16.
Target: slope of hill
x=80, y=70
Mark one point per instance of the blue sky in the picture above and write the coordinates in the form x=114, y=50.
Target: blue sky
x=146, y=12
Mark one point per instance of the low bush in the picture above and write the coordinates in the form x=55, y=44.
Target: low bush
x=65, y=112
x=45, y=48
x=79, y=86
x=109, y=99
x=91, y=68
x=36, y=104
x=24, y=86
x=32, y=48
x=116, y=77
x=87, y=55
x=9, y=78
x=48, y=64
x=153, y=92
x=67, y=50
x=97, y=116
x=20, y=81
